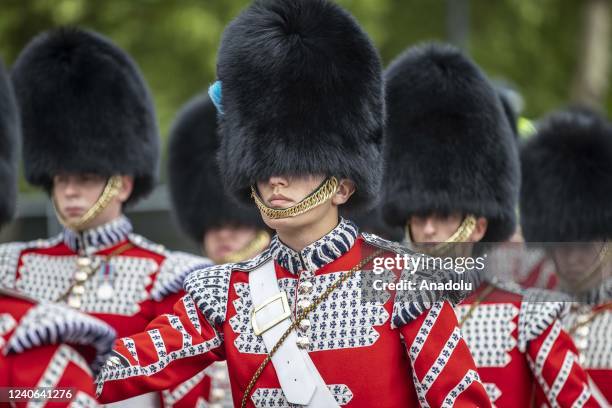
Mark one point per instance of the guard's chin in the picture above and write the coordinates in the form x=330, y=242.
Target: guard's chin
x=276, y=223
x=288, y=223
x=71, y=217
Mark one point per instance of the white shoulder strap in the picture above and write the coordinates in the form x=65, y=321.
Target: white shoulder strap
x=271, y=317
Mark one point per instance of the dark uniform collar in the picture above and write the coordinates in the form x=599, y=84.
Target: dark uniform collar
x=95, y=239
x=318, y=254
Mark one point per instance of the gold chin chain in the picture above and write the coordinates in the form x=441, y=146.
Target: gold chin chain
x=112, y=188
x=323, y=193
x=255, y=246
x=461, y=235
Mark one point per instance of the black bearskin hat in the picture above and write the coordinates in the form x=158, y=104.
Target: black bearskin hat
x=85, y=108
x=302, y=94
x=9, y=139
x=449, y=144
x=196, y=189
x=566, y=192
x=511, y=110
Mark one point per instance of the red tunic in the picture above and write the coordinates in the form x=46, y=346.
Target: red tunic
x=53, y=346
x=386, y=354
x=590, y=325
x=145, y=277
x=521, y=349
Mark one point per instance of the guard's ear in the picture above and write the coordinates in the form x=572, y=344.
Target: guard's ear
x=480, y=230
x=345, y=190
x=127, y=186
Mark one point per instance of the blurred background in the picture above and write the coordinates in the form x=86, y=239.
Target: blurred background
x=553, y=52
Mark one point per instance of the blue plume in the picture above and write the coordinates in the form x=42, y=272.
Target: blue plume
x=214, y=91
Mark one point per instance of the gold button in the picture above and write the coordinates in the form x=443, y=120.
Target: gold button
x=113, y=361
x=582, y=331
x=80, y=276
x=217, y=394
x=581, y=344
x=304, y=324
x=303, y=342
x=83, y=262
x=303, y=304
x=74, y=302
x=78, y=289
x=582, y=318
x=305, y=288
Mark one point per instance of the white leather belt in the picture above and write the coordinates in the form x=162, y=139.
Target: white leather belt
x=271, y=317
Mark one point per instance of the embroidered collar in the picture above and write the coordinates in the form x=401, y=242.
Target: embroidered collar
x=98, y=238
x=318, y=254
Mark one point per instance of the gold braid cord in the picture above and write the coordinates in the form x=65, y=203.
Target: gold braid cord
x=257, y=244
x=112, y=188
x=461, y=235
x=323, y=193
x=299, y=318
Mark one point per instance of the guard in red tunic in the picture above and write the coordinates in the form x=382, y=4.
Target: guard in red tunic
x=225, y=231
x=452, y=181
x=90, y=139
x=565, y=202
x=301, y=97
x=41, y=345
x=52, y=349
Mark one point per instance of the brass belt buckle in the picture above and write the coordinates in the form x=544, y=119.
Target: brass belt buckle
x=282, y=297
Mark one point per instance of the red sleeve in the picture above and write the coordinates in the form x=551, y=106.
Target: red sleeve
x=194, y=390
x=173, y=348
x=553, y=359
x=58, y=367
x=166, y=305
x=443, y=370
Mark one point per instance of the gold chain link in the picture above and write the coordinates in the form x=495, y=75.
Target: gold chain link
x=299, y=318
x=325, y=191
